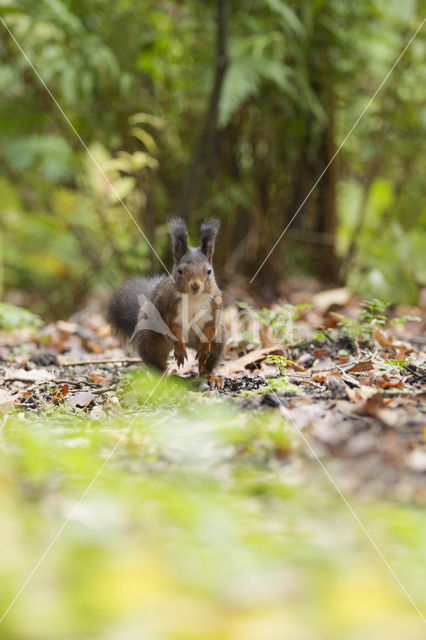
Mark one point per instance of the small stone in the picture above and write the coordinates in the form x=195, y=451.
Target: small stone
x=417, y=460
x=44, y=359
x=113, y=404
x=7, y=401
x=270, y=400
x=97, y=413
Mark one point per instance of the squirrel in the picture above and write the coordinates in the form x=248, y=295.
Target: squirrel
x=173, y=312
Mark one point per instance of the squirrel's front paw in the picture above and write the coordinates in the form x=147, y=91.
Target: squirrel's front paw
x=202, y=354
x=180, y=353
x=216, y=382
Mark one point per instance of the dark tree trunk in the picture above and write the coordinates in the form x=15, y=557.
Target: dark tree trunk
x=147, y=217
x=328, y=263
x=206, y=142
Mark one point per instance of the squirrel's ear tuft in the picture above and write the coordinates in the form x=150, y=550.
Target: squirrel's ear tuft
x=179, y=233
x=209, y=231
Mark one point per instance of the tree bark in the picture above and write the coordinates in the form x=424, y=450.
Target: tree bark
x=203, y=148
x=326, y=219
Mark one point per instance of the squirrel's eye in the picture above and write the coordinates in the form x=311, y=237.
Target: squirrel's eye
x=209, y=271
x=180, y=271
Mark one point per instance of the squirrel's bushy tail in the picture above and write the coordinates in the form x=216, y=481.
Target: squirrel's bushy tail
x=124, y=305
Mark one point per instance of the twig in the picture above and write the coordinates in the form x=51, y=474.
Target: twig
x=78, y=363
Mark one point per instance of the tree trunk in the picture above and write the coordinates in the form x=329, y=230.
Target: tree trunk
x=203, y=149
x=326, y=217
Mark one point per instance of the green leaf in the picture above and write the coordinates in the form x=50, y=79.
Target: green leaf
x=241, y=82
x=49, y=154
x=12, y=317
x=288, y=14
x=244, y=79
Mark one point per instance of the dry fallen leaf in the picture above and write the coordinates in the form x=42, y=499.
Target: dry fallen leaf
x=371, y=405
x=7, y=401
x=104, y=381
x=321, y=352
x=361, y=394
x=67, y=327
x=237, y=366
x=384, y=339
x=60, y=393
x=362, y=365
x=93, y=346
x=81, y=399
x=266, y=337
x=326, y=299
x=296, y=366
x=400, y=355
x=375, y=405
x=390, y=382
x=319, y=378
x=34, y=375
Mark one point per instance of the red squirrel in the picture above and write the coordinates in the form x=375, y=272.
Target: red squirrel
x=172, y=312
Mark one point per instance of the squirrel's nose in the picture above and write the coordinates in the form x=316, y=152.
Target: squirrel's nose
x=195, y=286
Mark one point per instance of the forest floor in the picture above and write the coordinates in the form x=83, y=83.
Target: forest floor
x=333, y=415
x=357, y=402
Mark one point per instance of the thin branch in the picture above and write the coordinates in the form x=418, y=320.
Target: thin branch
x=78, y=363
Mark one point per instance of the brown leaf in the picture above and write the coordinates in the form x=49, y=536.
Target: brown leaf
x=60, y=393
x=94, y=347
x=296, y=367
x=266, y=337
x=101, y=380
x=330, y=322
x=318, y=378
x=400, y=355
x=320, y=352
x=371, y=406
x=236, y=366
x=384, y=340
x=375, y=406
x=362, y=365
x=390, y=382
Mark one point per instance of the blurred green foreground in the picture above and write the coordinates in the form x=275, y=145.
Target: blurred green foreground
x=197, y=528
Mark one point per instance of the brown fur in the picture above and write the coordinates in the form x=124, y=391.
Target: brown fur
x=193, y=276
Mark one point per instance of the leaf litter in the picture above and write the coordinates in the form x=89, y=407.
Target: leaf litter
x=355, y=402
